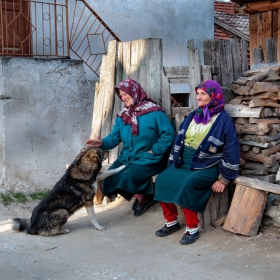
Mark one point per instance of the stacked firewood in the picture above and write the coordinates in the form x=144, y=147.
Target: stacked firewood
x=256, y=111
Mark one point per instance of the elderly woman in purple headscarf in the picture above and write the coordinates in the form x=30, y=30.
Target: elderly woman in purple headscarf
x=205, y=156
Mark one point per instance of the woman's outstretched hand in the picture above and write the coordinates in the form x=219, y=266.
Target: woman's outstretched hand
x=218, y=186
x=95, y=143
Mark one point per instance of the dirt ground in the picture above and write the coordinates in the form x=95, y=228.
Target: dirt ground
x=129, y=249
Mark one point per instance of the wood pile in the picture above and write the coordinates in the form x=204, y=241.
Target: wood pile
x=256, y=110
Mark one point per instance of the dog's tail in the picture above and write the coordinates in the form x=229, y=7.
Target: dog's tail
x=20, y=224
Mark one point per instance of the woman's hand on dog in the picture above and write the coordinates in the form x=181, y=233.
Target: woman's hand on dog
x=95, y=143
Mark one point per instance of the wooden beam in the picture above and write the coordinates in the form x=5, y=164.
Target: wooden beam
x=232, y=30
x=258, y=7
x=257, y=184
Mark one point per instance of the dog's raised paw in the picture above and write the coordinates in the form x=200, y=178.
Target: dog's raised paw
x=64, y=231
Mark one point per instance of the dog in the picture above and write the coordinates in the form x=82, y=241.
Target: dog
x=75, y=189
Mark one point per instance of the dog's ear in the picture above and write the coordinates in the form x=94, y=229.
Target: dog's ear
x=105, y=155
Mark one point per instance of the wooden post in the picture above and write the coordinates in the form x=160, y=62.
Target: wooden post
x=194, y=72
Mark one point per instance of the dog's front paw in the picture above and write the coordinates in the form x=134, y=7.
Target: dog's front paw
x=99, y=227
x=64, y=231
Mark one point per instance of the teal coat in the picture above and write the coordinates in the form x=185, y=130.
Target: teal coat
x=155, y=133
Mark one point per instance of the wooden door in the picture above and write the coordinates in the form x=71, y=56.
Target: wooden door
x=15, y=27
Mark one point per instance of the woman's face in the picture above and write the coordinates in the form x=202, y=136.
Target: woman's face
x=126, y=98
x=202, y=98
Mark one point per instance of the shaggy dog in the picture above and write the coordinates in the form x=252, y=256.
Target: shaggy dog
x=75, y=189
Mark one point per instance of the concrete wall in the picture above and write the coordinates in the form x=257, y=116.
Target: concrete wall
x=174, y=21
x=45, y=118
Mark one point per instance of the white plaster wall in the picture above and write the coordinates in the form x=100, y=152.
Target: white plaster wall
x=45, y=118
x=174, y=21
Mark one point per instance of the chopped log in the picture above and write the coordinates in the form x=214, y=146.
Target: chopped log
x=235, y=101
x=246, y=211
x=266, y=69
x=257, y=129
x=246, y=138
x=260, y=87
x=272, y=150
x=268, y=161
x=266, y=120
x=241, y=90
x=254, y=172
x=278, y=95
x=267, y=95
x=242, y=162
x=270, y=178
x=272, y=76
x=274, y=131
x=267, y=112
x=243, y=111
x=253, y=165
x=252, y=143
x=257, y=102
x=267, y=138
x=246, y=148
x=256, y=150
x=241, y=120
x=274, y=168
x=257, y=184
x=278, y=176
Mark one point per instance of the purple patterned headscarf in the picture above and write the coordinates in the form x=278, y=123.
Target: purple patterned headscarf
x=141, y=104
x=216, y=105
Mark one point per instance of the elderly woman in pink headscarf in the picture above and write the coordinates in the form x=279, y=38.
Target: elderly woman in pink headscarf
x=146, y=134
x=205, y=156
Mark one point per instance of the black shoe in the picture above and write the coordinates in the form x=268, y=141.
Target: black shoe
x=189, y=238
x=135, y=204
x=168, y=230
x=142, y=209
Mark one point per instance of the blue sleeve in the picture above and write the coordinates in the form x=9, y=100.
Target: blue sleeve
x=113, y=139
x=229, y=165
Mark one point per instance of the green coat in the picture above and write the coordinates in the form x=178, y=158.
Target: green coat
x=155, y=133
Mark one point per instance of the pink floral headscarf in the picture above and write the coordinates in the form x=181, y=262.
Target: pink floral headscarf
x=141, y=104
x=216, y=105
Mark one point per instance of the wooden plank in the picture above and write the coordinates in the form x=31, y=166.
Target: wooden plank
x=257, y=184
x=266, y=31
x=227, y=72
x=255, y=71
x=176, y=72
x=179, y=81
x=244, y=58
x=258, y=56
x=271, y=50
x=236, y=58
x=258, y=7
x=206, y=73
x=106, y=86
x=211, y=51
x=195, y=75
x=253, y=27
x=236, y=111
x=246, y=211
x=165, y=95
